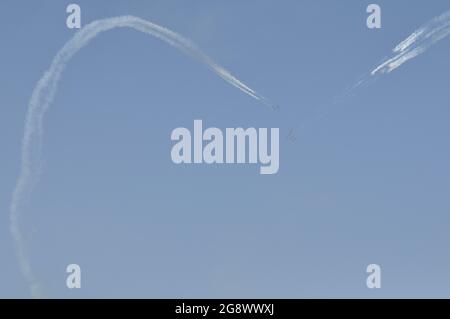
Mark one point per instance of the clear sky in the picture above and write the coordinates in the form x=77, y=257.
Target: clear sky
x=367, y=183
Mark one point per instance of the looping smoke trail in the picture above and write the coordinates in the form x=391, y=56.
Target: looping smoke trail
x=44, y=93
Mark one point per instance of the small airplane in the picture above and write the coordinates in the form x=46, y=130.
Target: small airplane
x=275, y=107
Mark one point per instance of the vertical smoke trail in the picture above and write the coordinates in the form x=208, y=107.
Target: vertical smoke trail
x=44, y=93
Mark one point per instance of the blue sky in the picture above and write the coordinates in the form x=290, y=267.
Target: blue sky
x=367, y=183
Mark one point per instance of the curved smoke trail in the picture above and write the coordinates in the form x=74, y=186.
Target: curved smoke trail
x=44, y=93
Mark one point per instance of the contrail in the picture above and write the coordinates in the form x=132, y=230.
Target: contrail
x=42, y=98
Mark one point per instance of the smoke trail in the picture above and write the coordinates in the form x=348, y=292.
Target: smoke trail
x=44, y=93
x=417, y=43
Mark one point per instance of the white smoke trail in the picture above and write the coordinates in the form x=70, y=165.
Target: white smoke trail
x=417, y=43
x=44, y=93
